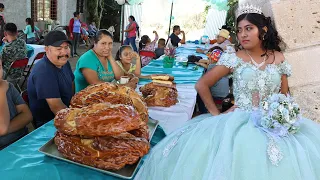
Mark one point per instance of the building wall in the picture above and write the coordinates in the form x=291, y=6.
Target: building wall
x=66, y=8
x=298, y=23
x=16, y=11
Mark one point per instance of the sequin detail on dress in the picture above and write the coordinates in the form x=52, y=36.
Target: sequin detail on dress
x=274, y=152
x=174, y=142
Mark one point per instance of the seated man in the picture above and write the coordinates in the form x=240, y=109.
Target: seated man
x=175, y=40
x=50, y=85
x=14, y=113
x=13, y=49
x=222, y=41
x=160, y=49
x=92, y=29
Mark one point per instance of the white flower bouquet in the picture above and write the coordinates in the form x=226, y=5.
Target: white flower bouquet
x=280, y=115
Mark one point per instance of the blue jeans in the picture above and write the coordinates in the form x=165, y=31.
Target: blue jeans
x=75, y=43
x=131, y=41
x=31, y=40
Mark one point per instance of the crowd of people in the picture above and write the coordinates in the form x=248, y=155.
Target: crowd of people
x=52, y=83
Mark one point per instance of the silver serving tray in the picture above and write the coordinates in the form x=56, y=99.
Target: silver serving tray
x=50, y=149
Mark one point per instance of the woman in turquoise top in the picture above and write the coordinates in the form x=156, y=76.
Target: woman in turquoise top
x=30, y=31
x=97, y=65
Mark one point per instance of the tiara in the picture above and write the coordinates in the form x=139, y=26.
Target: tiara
x=246, y=9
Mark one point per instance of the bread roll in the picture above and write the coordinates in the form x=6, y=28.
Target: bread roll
x=101, y=119
x=110, y=153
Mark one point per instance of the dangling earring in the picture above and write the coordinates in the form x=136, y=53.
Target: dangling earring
x=263, y=37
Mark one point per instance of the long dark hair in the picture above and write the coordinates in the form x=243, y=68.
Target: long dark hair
x=99, y=34
x=143, y=42
x=31, y=23
x=121, y=49
x=137, y=27
x=270, y=39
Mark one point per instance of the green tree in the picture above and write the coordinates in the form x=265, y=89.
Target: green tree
x=231, y=17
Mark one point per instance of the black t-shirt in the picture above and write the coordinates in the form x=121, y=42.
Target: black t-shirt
x=47, y=81
x=159, y=52
x=175, y=40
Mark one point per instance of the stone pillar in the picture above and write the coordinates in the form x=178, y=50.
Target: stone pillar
x=298, y=22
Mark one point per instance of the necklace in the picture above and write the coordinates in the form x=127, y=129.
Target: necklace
x=255, y=63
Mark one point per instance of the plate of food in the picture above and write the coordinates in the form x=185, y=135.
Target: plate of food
x=106, y=128
x=161, y=91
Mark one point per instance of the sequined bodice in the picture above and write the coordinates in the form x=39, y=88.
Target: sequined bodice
x=250, y=84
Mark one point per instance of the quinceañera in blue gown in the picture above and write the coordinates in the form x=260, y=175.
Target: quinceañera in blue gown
x=265, y=138
x=231, y=146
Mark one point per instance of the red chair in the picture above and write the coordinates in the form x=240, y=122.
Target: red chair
x=25, y=97
x=147, y=53
x=17, y=64
x=28, y=70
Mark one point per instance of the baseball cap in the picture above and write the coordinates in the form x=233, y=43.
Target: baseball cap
x=55, y=38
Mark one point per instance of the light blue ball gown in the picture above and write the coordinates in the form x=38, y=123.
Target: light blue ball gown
x=230, y=146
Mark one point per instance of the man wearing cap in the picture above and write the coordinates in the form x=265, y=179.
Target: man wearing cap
x=50, y=84
x=222, y=41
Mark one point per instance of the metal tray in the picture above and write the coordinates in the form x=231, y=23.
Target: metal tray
x=50, y=149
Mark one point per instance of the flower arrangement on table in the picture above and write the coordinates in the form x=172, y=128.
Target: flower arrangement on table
x=280, y=115
x=169, y=58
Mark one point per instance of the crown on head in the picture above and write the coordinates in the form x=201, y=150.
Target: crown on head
x=246, y=9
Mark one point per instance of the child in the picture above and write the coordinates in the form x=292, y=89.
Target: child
x=213, y=54
x=14, y=113
x=124, y=58
x=146, y=45
x=160, y=50
x=85, y=34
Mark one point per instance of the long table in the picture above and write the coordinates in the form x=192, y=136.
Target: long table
x=175, y=116
x=21, y=160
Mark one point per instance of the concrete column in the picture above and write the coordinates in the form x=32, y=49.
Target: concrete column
x=298, y=22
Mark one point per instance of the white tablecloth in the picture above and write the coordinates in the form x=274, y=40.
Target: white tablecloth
x=36, y=49
x=175, y=116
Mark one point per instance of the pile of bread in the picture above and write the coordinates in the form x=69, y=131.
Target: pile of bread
x=161, y=91
x=105, y=127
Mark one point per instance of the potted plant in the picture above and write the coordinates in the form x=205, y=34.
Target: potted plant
x=169, y=58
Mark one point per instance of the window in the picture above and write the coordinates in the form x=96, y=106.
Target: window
x=43, y=10
x=80, y=6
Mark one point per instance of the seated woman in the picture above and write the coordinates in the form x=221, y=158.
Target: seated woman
x=147, y=45
x=221, y=89
x=14, y=113
x=97, y=65
x=125, y=57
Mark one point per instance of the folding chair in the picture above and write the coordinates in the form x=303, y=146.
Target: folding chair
x=147, y=53
x=17, y=64
x=28, y=69
x=25, y=97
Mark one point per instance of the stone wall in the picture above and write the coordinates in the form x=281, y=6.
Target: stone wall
x=298, y=22
x=16, y=11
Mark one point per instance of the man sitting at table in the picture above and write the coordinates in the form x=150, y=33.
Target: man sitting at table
x=50, y=85
x=14, y=49
x=14, y=113
x=222, y=41
x=174, y=37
